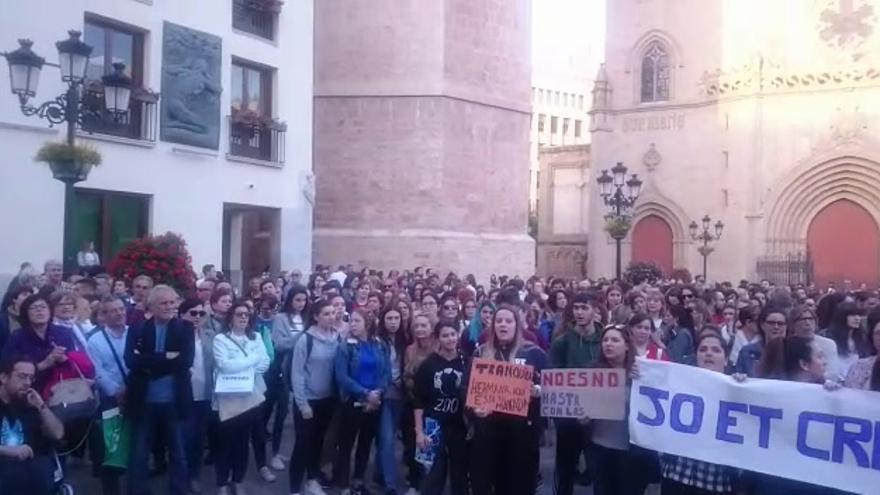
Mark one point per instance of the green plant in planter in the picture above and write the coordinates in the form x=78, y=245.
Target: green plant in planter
x=68, y=162
x=617, y=227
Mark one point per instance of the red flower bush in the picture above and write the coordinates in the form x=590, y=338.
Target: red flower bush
x=164, y=258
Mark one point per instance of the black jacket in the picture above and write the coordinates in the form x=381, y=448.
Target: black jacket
x=146, y=365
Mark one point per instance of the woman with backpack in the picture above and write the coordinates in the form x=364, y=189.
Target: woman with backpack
x=362, y=374
x=314, y=393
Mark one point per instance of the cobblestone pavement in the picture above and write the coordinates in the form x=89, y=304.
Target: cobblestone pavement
x=79, y=474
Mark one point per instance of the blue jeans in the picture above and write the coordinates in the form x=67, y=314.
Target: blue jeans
x=389, y=423
x=153, y=418
x=30, y=477
x=194, y=436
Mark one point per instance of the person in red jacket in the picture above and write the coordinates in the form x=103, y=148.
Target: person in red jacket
x=641, y=327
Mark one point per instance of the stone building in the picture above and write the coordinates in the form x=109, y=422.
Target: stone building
x=563, y=210
x=216, y=144
x=422, y=135
x=764, y=115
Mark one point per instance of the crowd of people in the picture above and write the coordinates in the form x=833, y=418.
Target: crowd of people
x=366, y=360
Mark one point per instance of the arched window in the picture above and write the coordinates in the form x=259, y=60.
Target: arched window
x=655, y=73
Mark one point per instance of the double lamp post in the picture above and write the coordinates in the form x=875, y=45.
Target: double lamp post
x=73, y=57
x=620, y=202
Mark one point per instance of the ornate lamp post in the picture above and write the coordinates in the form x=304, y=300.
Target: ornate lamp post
x=611, y=188
x=73, y=57
x=705, y=250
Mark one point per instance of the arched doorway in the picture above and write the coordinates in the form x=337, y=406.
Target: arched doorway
x=844, y=243
x=652, y=241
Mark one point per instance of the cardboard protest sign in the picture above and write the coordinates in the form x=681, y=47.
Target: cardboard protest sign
x=500, y=386
x=793, y=430
x=580, y=393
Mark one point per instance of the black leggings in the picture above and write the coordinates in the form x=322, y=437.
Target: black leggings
x=572, y=438
x=451, y=460
x=622, y=472
x=505, y=460
x=356, y=424
x=232, y=456
x=306, y=456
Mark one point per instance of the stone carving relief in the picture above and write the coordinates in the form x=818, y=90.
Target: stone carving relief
x=652, y=157
x=849, y=127
x=846, y=22
x=762, y=77
x=191, y=87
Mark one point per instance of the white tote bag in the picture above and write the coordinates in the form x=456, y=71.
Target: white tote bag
x=241, y=383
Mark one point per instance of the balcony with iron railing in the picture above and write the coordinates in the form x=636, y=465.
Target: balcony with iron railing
x=257, y=138
x=139, y=123
x=257, y=17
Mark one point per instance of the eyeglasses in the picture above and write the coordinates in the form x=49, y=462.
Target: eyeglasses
x=775, y=323
x=197, y=314
x=242, y=314
x=687, y=296
x=269, y=308
x=447, y=306
x=806, y=318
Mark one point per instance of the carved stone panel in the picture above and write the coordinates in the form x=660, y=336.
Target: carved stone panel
x=191, y=87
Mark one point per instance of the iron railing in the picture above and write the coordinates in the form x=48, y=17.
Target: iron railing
x=140, y=122
x=250, y=17
x=789, y=269
x=262, y=141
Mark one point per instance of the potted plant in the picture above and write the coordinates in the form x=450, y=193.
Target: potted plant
x=617, y=227
x=69, y=163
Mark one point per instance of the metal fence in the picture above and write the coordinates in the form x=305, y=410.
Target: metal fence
x=789, y=269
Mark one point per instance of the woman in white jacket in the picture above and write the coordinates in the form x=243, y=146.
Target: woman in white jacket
x=238, y=352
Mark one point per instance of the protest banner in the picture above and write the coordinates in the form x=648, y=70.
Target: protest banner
x=578, y=393
x=788, y=429
x=500, y=386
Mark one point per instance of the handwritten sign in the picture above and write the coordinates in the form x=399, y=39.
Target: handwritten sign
x=579, y=393
x=500, y=386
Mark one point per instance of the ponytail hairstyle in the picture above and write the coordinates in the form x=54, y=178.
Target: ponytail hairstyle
x=315, y=310
x=783, y=357
x=287, y=307
x=629, y=358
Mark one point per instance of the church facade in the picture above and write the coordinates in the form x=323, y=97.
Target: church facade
x=763, y=115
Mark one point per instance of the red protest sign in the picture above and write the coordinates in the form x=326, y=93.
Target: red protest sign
x=580, y=393
x=500, y=386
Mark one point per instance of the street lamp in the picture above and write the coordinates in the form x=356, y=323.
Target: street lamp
x=611, y=188
x=73, y=57
x=706, y=237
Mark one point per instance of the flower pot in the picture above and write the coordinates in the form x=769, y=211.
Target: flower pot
x=70, y=171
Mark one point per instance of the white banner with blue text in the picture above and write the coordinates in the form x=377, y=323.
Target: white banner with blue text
x=792, y=430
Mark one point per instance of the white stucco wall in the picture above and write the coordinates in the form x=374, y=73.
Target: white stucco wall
x=188, y=185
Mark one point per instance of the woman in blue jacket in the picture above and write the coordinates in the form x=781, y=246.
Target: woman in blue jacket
x=362, y=374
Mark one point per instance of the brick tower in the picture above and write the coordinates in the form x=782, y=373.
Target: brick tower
x=421, y=135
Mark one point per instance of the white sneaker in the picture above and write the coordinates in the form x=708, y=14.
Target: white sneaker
x=412, y=491
x=239, y=489
x=277, y=463
x=267, y=475
x=314, y=488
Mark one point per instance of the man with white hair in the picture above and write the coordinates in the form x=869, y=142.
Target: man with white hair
x=159, y=355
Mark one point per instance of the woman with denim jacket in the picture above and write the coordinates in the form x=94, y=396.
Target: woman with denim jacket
x=362, y=375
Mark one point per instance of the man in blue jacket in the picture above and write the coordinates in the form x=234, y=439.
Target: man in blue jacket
x=159, y=355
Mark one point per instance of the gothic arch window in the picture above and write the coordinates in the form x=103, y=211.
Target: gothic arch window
x=656, y=73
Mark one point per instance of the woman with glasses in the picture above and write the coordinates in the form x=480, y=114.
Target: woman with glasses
x=804, y=324
x=772, y=325
x=429, y=306
x=860, y=374
x=238, y=351
x=193, y=311
x=450, y=310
